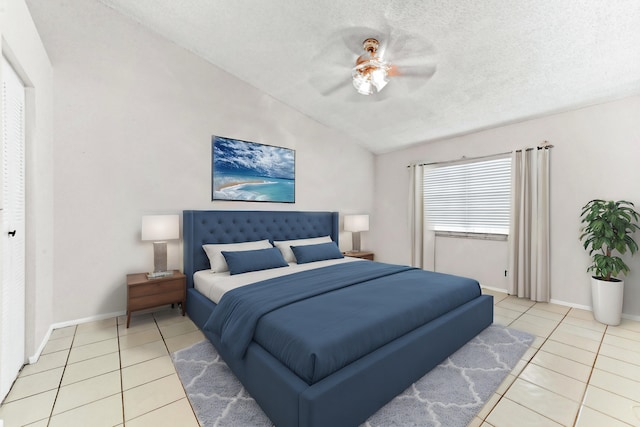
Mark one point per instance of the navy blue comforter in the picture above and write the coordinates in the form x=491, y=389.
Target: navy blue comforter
x=318, y=321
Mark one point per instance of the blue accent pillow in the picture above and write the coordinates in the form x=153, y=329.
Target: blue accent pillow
x=320, y=252
x=258, y=259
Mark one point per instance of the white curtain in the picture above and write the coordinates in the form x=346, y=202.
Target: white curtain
x=422, y=239
x=529, y=225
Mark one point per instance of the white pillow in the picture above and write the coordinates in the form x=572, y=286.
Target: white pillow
x=285, y=245
x=216, y=259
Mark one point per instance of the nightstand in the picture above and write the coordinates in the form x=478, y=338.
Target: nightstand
x=143, y=293
x=360, y=254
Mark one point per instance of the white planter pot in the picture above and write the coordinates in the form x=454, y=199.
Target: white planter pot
x=607, y=301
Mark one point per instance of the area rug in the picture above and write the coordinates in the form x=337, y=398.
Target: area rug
x=450, y=395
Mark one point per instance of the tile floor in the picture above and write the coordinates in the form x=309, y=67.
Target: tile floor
x=103, y=374
x=578, y=372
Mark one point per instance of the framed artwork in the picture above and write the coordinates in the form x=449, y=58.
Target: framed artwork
x=252, y=172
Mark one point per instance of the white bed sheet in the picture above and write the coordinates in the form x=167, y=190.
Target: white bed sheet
x=214, y=285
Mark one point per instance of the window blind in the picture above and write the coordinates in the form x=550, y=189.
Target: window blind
x=469, y=197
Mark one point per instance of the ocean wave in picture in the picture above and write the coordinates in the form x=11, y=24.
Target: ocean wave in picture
x=259, y=189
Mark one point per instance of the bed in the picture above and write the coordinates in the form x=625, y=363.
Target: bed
x=313, y=392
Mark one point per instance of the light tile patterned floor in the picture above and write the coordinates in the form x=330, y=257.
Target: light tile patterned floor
x=577, y=373
x=103, y=374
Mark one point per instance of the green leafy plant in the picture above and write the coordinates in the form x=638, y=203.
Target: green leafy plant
x=608, y=226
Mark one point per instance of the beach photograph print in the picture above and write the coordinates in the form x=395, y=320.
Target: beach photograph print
x=248, y=171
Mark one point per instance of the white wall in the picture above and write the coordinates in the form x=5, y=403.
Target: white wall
x=596, y=155
x=21, y=45
x=484, y=260
x=134, y=116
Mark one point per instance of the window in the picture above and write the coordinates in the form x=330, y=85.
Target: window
x=469, y=197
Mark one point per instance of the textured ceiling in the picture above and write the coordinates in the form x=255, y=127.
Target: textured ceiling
x=497, y=61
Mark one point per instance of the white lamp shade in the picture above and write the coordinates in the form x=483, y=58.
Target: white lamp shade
x=160, y=227
x=356, y=222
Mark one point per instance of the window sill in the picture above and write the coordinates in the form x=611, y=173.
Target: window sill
x=476, y=236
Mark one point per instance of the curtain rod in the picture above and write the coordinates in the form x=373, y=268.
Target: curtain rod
x=545, y=145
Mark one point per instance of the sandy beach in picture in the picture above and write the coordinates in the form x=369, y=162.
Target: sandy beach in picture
x=234, y=184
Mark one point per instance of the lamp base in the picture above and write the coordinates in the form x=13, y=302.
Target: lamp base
x=355, y=246
x=157, y=274
x=159, y=257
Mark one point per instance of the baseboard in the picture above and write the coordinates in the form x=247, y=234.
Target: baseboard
x=570, y=304
x=87, y=319
x=552, y=301
x=501, y=290
x=589, y=308
x=631, y=317
x=33, y=359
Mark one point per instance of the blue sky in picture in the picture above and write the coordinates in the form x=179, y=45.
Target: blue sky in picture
x=250, y=158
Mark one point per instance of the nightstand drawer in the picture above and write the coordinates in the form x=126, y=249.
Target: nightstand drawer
x=156, y=288
x=150, y=301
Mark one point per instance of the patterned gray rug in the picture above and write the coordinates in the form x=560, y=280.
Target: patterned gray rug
x=450, y=395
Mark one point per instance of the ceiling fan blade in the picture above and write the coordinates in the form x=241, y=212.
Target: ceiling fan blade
x=331, y=88
x=330, y=69
x=403, y=45
x=393, y=71
x=422, y=71
x=387, y=47
x=415, y=61
x=344, y=91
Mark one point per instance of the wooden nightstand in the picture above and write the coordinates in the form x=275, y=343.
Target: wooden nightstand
x=143, y=293
x=361, y=254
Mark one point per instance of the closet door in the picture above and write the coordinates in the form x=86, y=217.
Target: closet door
x=12, y=227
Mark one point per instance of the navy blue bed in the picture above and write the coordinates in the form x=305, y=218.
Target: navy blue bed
x=310, y=377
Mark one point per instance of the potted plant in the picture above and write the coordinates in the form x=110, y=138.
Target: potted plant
x=607, y=230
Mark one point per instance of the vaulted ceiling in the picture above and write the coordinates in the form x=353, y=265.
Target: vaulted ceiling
x=495, y=61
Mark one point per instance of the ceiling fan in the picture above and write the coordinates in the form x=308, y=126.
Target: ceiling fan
x=371, y=72
x=397, y=61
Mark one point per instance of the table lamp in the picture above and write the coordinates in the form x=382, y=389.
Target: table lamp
x=159, y=229
x=356, y=224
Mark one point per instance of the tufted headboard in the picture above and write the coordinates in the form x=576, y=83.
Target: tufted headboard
x=202, y=227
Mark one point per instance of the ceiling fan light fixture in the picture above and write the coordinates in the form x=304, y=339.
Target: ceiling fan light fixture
x=370, y=73
x=362, y=85
x=379, y=78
